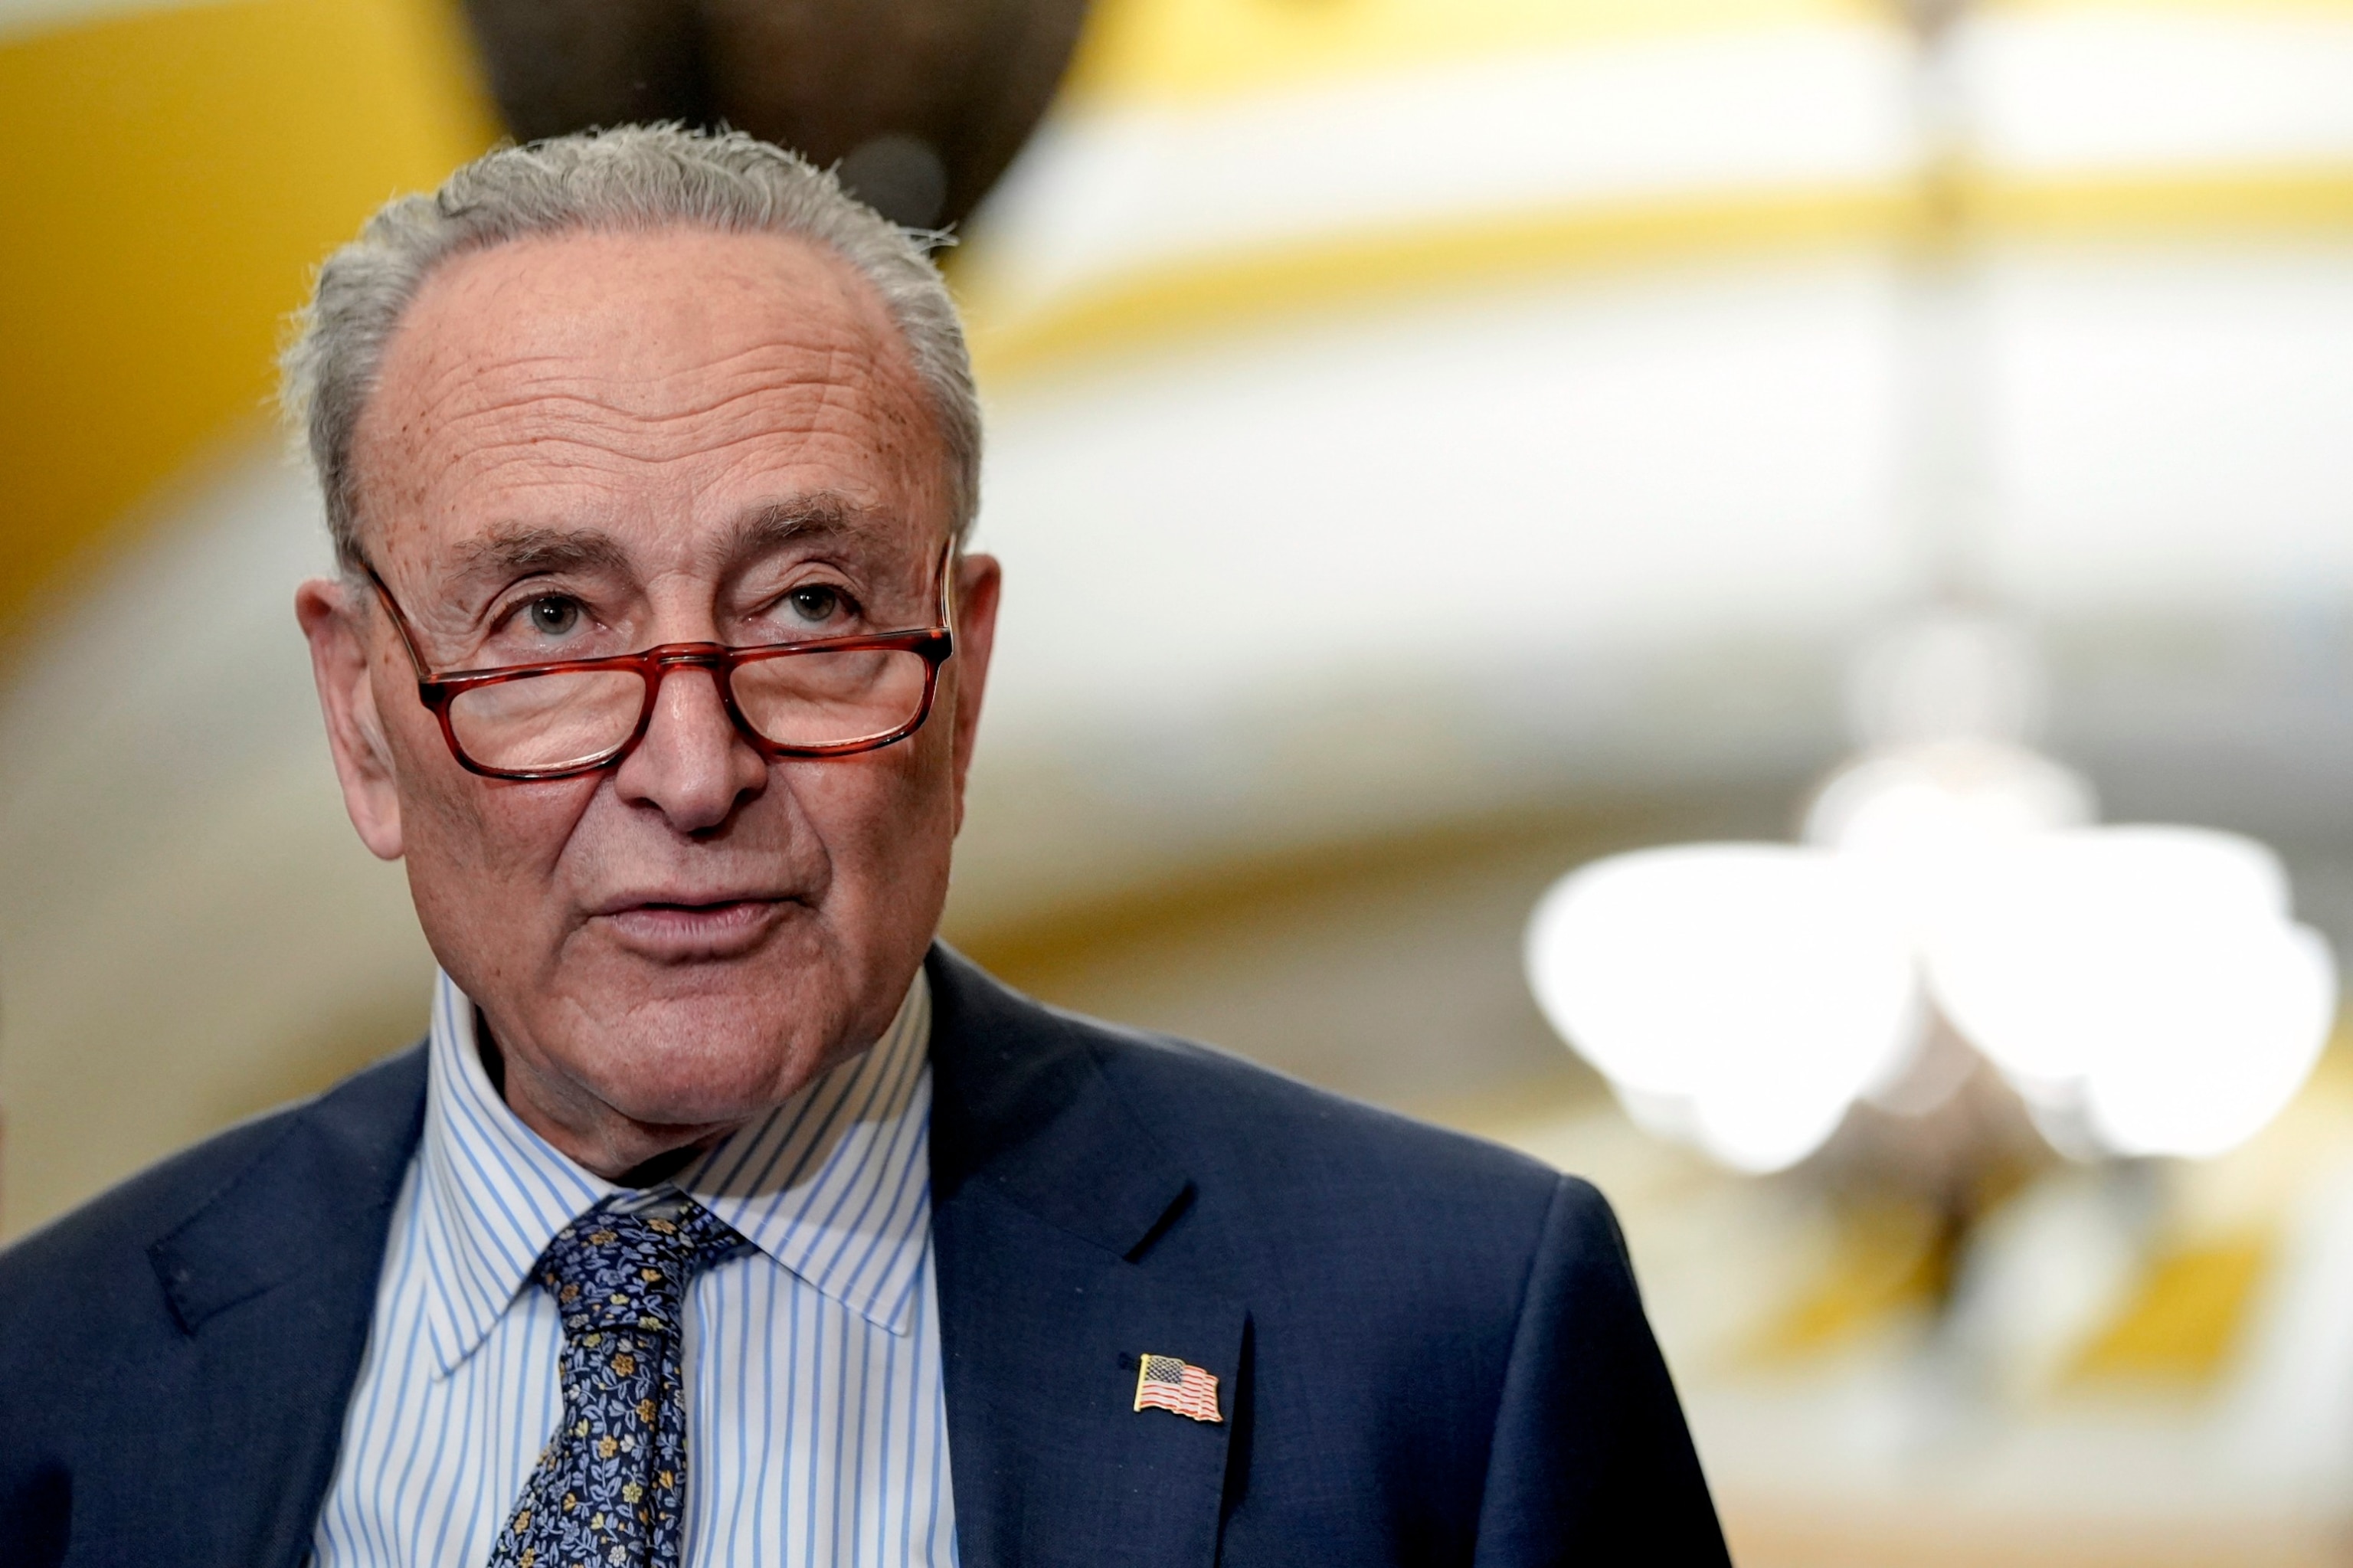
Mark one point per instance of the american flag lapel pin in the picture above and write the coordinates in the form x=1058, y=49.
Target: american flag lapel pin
x=1166, y=1383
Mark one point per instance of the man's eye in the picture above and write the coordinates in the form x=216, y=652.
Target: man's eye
x=554, y=614
x=816, y=603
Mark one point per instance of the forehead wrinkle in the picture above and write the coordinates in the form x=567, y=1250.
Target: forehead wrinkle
x=449, y=373
x=745, y=374
x=801, y=409
x=597, y=477
x=582, y=380
x=777, y=358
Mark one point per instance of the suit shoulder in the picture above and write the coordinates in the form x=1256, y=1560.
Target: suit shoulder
x=1220, y=1115
x=1352, y=1226
x=103, y=1244
x=1278, y=1170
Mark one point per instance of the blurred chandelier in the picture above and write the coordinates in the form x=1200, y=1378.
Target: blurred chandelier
x=2144, y=990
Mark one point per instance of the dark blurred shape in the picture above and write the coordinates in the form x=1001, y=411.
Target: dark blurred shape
x=922, y=102
x=565, y=65
x=900, y=176
x=1933, y=18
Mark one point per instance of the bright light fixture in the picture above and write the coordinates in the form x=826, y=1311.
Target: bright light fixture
x=2148, y=982
x=2150, y=974
x=1741, y=995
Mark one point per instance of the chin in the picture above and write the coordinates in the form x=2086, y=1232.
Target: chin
x=684, y=1064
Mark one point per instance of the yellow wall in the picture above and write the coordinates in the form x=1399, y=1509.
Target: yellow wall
x=1179, y=50
x=166, y=180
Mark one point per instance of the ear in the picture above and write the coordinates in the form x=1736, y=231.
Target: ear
x=336, y=622
x=979, y=580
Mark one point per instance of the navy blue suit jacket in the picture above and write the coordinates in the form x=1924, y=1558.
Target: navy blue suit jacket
x=1429, y=1351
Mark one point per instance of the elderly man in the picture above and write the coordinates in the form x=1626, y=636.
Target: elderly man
x=725, y=1217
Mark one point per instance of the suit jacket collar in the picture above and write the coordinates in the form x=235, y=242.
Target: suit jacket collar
x=1020, y=1105
x=1049, y=1194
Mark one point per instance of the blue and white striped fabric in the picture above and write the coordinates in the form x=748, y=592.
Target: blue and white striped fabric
x=815, y=1428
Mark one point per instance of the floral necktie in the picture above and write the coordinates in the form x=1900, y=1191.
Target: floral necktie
x=609, y=1491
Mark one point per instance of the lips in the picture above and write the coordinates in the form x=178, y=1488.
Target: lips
x=682, y=928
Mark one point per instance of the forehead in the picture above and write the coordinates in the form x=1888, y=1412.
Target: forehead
x=656, y=387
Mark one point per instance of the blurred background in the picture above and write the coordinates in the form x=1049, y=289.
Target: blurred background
x=1790, y=467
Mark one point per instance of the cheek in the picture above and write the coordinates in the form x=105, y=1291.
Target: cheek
x=884, y=814
x=456, y=822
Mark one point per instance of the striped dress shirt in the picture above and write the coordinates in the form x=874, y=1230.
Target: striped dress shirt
x=817, y=1431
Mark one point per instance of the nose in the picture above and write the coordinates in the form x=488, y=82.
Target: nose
x=693, y=765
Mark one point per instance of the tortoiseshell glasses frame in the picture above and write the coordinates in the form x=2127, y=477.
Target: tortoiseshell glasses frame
x=900, y=713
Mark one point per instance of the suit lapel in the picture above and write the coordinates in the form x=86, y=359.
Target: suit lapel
x=1047, y=1196
x=273, y=1281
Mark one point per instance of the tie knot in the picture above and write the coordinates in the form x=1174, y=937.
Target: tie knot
x=610, y=1270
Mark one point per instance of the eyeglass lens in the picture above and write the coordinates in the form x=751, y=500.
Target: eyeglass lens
x=814, y=698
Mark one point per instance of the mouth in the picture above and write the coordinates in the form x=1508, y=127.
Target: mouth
x=681, y=928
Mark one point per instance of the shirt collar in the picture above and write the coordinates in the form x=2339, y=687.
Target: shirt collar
x=834, y=1184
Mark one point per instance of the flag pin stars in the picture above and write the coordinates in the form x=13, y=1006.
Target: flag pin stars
x=1164, y=1383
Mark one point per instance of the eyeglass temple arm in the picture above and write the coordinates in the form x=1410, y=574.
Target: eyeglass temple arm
x=400, y=624
x=949, y=557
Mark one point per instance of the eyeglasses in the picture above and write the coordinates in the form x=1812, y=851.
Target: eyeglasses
x=830, y=696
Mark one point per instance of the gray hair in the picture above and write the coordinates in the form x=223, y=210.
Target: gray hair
x=636, y=177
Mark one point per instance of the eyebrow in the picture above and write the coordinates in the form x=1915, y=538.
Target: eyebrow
x=821, y=515
x=531, y=550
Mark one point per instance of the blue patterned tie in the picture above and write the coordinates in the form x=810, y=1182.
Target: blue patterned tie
x=610, y=1490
